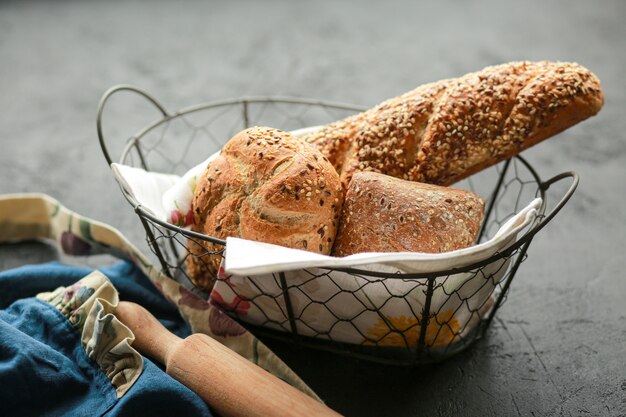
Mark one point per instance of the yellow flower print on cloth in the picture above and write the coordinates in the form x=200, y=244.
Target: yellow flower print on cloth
x=441, y=330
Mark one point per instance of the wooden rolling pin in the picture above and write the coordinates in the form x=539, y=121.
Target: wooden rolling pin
x=230, y=384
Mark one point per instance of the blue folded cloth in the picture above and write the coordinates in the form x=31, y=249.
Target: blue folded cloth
x=44, y=370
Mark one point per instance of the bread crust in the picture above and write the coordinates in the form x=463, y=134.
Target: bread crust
x=386, y=214
x=443, y=132
x=265, y=186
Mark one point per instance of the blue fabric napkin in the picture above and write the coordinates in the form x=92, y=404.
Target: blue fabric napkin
x=44, y=370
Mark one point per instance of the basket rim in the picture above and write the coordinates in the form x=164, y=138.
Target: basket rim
x=540, y=221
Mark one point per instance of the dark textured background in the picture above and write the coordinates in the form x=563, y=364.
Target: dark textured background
x=558, y=346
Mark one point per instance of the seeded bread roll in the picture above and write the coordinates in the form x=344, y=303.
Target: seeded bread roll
x=266, y=186
x=386, y=214
x=443, y=132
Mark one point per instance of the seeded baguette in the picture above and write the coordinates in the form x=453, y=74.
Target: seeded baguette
x=443, y=132
x=266, y=186
x=386, y=214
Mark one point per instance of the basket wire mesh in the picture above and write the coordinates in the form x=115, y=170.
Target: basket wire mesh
x=172, y=144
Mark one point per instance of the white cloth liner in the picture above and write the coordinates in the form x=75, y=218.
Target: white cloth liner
x=147, y=188
x=246, y=257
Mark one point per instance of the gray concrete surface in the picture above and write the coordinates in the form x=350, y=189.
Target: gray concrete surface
x=559, y=344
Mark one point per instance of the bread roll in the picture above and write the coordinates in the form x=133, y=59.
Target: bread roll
x=443, y=132
x=385, y=214
x=266, y=186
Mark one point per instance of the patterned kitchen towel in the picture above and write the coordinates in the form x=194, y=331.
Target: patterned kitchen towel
x=38, y=216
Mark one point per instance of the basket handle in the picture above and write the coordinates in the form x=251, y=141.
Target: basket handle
x=546, y=218
x=103, y=101
x=544, y=186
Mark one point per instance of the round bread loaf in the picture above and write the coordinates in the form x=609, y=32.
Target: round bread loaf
x=266, y=186
x=387, y=214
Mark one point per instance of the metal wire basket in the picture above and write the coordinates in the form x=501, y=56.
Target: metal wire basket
x=177, y=141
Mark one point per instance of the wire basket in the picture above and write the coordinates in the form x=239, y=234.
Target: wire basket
x=177, y=141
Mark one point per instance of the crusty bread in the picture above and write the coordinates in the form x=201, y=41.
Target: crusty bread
x=443, y=132
x=266, y=186
x=386, y=214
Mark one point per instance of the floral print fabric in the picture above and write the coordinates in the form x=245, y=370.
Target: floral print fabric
x=38, y=216
x=89, y=306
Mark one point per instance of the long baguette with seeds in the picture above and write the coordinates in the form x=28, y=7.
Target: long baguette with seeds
x=443, y=132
